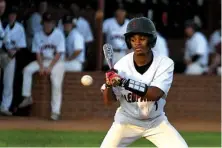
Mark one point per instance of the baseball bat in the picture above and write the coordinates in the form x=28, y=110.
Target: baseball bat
x=108, y=53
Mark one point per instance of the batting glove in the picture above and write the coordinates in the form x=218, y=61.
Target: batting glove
x=112, y=78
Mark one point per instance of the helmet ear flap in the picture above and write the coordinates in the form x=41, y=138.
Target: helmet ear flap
x=152, y=42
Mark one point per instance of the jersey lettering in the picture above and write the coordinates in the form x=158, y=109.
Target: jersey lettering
x=117, y=37
x=48, y=46
x=131, y=98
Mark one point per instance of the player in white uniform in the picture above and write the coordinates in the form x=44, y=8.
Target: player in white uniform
x=14, y=40
x=196, y=50
x=82, y=25
x=114, y=29
x=34, y=22
x=3, y=55
x=140, y=81
x=75, y=46
x=49, y=45
x=215, y=52
x=161, y=46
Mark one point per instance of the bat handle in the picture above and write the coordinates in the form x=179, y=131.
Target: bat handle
x=110, y=64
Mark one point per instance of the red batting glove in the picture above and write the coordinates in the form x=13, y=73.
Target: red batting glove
x=112, y=78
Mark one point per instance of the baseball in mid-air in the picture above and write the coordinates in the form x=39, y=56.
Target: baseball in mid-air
x=86, y=80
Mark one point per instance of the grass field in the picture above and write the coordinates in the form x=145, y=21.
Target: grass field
x=31, y=138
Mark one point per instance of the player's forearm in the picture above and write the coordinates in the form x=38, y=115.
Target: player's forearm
x=56, y=58
x=153, y=94
x=149, y=93
x=108, y=96
x=74, y=55
x=39, y=59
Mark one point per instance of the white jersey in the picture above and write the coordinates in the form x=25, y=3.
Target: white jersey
x=2, y=34
x=197, y=44
x=83, y=27
x=115, y=33
x=49, y=45
x=34, y=23
x=215, y=39
x=75, y=41
x=161, y=46
x=15, y=37
x=159, y=74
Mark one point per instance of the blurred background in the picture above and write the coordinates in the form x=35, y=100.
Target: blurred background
x=169, y=17
x=188, y=30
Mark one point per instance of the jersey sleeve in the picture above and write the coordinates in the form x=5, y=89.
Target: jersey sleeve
x=61, y=43
x=105, y=26
x=35, y=44
x=214, y=40
x=200, y=45
x=22, y=39
x=88, y=31
x=78, y=42
x=164, y=75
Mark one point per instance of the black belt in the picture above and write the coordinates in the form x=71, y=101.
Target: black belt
x=117, y=50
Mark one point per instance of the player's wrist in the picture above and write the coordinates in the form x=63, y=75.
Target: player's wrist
x=136, y=87
x=108, y=85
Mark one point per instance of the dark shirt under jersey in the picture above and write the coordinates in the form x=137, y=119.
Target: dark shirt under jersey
x=144, y=68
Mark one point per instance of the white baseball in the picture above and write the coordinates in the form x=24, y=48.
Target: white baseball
x=86, y=80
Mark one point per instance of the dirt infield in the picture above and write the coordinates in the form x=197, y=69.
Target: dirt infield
x=92, y=124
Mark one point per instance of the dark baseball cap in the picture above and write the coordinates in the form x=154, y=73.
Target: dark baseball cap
x=47, y=16
x=190, y=23
x=120, y=6
x=13, y=9
x=67, y=19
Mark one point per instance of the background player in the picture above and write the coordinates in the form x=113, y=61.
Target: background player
x=49, y=45
x=161, y=46
x=196, y=50
x=143, y=81
x=114, y=29
x=14, y=41
x=75, y=45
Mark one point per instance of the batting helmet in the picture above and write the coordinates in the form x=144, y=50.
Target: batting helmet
x=141, y=25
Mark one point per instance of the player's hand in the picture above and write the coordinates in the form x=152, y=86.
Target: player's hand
x=41, y=71
x=48, y=70
x=11, y=53
x=112, y=78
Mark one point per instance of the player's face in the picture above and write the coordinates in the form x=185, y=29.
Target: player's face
x=189, y=31
x=12, y=17
x=120, y=14
x=68, y=27
x=48, y=26
x=2, y=7
x=139, y=44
